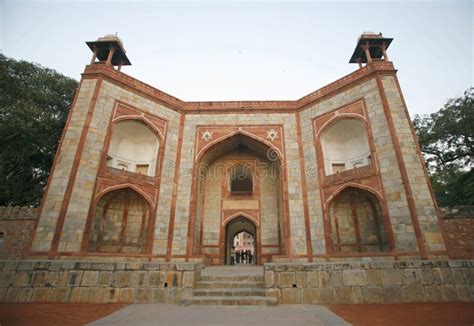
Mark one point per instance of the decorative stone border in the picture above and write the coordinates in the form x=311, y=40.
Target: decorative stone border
x=371, y=282
x=96, y=282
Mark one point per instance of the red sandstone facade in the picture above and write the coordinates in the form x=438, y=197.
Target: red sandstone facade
x=336, y=174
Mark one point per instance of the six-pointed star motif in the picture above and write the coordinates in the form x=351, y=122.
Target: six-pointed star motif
x=207, y=135
x=272, y=134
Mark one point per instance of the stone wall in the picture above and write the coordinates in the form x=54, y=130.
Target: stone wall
x=16, y=231
x=458, y=227
x=371, y=282
x=96, y=282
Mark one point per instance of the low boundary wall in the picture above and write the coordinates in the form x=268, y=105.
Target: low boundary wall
x=371, y=282
x=96, y=282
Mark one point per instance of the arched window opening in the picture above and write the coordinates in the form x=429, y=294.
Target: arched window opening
x=134, y=148
x=357, y=222
x=345, y=146
x=120, y=223
x=241, y=180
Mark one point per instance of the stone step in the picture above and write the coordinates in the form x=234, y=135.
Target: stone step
x=231, y=284
x=223, y=292
x=231, y=301
x=252, y=278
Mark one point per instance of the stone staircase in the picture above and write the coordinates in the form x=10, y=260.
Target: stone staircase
x=234, y=289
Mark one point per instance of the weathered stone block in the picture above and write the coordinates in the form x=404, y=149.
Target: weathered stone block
x=23, y=278
x=371, y=294
x=111, y=295
x=142, y=295
x=310, y=295
x=425, y=275
x=290, y=295
x=390, y=276
x=327, y=295
x=373, y=277
x=156, y=278
x=391, y=293
x=56, y=279
x=13, y=294
x=357, y=296
x=80, y=295
x=286, y=280
x=188, y=279
x=40, y=294
x=312, y=280
x=354, y=277
x=40, y=278
x=449, y=292
x=90, y=278
x=26, y=294
x=273, y=293
x=433, y=293
x=159, y=295
x=105, y=278
x=465, y=293
x=409, y=276
x=59, y=294
x=74, y=278
x=121, y=279
x=126, y=295
x=96, y=294
x=7, y=278
x=413, y=293
x=269, y=279
x=301, y=279
x=139, y=278
x=343, y=294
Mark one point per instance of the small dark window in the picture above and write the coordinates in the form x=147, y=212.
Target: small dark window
x=241, y=180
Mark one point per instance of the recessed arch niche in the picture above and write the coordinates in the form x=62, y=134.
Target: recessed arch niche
x=133, y=147
x=345, y=145
x=357, y=222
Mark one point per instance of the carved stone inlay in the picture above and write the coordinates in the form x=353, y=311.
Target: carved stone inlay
x=272, y=134
x=207, y=135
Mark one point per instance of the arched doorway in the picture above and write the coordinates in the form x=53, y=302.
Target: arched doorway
x=238, y=176
x=357, y=222
x=235, y=227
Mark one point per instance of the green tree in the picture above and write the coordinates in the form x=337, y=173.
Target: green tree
x=34, y=104
x=447, y=141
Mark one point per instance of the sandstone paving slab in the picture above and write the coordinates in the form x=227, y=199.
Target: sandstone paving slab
x=168, y=314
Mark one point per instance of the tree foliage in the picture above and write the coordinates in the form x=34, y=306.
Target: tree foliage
x=34, y=104
x=447, y=141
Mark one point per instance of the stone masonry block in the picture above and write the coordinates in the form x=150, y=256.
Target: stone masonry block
x=126, y=295
x=354, y=277
x=286, y=280
x=269, y=279
x=312, y=279
x=391, y=277
x=90, y=278
x=290, y=295
x=121, y=279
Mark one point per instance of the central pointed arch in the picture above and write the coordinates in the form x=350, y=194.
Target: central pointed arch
x=238, y=142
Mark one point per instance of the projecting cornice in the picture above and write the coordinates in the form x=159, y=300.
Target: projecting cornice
x=121, y=79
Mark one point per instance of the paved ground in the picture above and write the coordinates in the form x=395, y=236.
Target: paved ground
x=446, y=314
x=54, y=313
x=420, y=314
x=168, y=314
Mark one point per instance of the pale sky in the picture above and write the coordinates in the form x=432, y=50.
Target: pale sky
x=222, y=50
